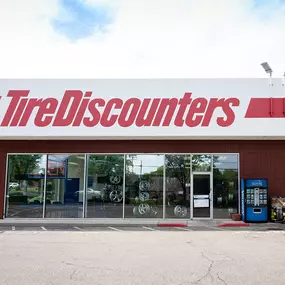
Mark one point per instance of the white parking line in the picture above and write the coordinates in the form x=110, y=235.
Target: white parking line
x=43, y=228
x=184, y=229
x=114, y=229
x=13, y=228
x=150, y=229
x=215, y=228
x=77, y=228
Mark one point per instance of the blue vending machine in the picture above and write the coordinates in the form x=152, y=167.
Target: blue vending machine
x=254, y=200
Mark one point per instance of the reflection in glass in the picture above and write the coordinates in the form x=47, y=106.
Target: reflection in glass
x=225, y=182
x=105, y=186
x=65, y=186
x=177, y=186
x=25, y=186
x=104, y=183
x=201, y=163
x=144, y=186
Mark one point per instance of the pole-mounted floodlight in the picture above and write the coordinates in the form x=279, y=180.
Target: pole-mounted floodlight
x=266, y=67
x=268, y=70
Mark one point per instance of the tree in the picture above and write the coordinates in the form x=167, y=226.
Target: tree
x=225, y=185
x=106, y=164
x=22, y=165
x=177, y=166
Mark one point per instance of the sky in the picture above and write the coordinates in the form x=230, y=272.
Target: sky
x=141, y=38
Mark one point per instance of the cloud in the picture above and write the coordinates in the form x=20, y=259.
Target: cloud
x=145, y=39
x=272, y=3
x=77, y=19
x=268, y=9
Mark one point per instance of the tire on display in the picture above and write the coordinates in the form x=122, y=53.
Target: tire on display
x=154, y=211
x=144, y=196
x=115, y=179
x=144, y=186
x=180, y=211
x=116, y=196
x=135, y=211
x=144, y=209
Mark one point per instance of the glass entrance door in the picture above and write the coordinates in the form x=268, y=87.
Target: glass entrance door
x=202, y=193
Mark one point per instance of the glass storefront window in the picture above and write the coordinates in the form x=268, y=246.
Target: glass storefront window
x=144, y=186
x=65, y=186
x=225, y=183
x=177, y=170
x=105, y=186
x=25, y=186
x=201, y=162
x=122, y=186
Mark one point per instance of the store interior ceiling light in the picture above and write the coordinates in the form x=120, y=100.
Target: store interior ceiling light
x=266, y=67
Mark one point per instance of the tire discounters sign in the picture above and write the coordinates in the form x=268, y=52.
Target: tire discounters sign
x=155, y=108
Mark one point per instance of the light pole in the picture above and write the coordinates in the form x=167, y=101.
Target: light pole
x=268, y=70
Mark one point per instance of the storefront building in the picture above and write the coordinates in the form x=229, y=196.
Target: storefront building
x=137, y=149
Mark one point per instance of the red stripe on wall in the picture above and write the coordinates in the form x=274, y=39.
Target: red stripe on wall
x=266, y=108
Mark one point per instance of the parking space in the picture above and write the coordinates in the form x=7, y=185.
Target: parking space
x=82, y=228
x=135, y=228
x=25, y=228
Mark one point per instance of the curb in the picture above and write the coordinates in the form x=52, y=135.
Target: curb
x=233, y=225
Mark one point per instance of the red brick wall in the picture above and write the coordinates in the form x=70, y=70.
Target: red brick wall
x=257, y=158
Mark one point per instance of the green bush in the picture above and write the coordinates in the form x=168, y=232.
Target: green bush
x=16, y=193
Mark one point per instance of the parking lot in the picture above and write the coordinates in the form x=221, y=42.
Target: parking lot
x=41, y=255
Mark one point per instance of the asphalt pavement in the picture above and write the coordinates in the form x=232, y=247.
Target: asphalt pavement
x=140, y=256
x=117, y=227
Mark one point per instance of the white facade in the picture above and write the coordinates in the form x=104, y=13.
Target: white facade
x=116, y=109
